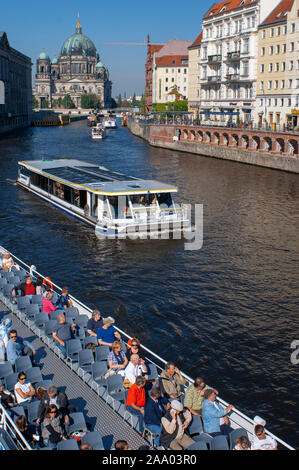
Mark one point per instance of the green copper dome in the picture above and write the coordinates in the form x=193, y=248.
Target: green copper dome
x=43, y=56
x=100, y=65
x=78, y=44
x=54, y=61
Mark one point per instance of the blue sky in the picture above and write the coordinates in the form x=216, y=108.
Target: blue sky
x=33, y=25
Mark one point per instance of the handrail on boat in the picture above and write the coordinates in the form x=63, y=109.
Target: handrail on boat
x=32, y=268
x=8, y=425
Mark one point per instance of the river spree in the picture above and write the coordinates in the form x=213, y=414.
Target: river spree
x=227, y=312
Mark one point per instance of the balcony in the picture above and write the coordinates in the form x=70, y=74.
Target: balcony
x=214, y=79
x=233, y=55
x=214, y=59
x=233, y=77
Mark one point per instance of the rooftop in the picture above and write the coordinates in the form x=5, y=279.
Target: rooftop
x=98, y=179
x=279, y=13
x=169, y=60
x=174, y=47
x=228, y=5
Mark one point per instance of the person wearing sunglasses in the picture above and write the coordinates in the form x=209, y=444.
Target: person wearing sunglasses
x=23, y=389
x=261, y=441
x=17, y=347
x=52, y=430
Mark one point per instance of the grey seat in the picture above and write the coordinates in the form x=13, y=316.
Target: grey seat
x=98, y=370
x=90, y=339
x=234, y=435
x=219, y=443
x=94, y=439
x=17, y=411
x=46, y=383
x=34, y=375
x=10, y=381
x=199, y=445
x=115, y=387
x=153, y=373
x=195, y=427
x=41, y=319
x=32, y=310
x=49, y=327
x=86, y=359
x=82, y=320
x=5, y=370
x=32, y=409
x=22, y=363
x=71, y=314
x=73, y=347
x=37, y=299
x=102, y=353
x=23, y=302
x=68, y=444
x=76, y=422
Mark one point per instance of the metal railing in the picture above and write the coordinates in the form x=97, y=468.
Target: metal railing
x=155, y=359
x=8, y=425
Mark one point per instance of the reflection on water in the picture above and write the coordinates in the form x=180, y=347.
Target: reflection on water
x=227, y=312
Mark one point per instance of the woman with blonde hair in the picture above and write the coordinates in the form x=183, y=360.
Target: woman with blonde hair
x=7, y=262
x=117, y=359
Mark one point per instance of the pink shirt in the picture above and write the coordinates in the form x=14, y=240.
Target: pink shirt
x=48, y=307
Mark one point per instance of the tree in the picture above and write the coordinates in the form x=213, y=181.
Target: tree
x=119, y=101
x=67, y=102
x=134, y=101
x=142, y=104
x=34, y=102
x=90, y=100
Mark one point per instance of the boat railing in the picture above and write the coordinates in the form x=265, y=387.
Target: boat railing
x=236, y=416
x=8, y=425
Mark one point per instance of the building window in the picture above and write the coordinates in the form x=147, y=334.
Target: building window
x=262, y=68
x=271, y=32
x=263, y=34
x=293, y=27
x=278, y=31
x=270, y=67
x=278, y=49
x=282, y=84
x=246, y=45
x=283, y=66
x=277, y=67
x=291, y=66
x=269, y=84
x=271, y=48
x=290, y=83
x=285, y=28
x=166, y=79
x=276, y=84
x=261, y=85
x=262, y=51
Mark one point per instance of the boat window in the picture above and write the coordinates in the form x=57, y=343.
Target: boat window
x=164, y=199
x=146, y=199
x=24, y=171
x=40, y=181
x=120, y=207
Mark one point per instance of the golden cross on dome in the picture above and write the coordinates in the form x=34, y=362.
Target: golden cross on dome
x=78, y=23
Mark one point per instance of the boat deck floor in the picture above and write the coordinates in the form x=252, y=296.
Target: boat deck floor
x=100, y=415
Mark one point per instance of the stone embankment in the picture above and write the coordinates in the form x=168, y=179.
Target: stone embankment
x=256, y=147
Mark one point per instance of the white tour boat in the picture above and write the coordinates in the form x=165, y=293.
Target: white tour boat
x=114, y=204
x=98, y=132
x=110, y=123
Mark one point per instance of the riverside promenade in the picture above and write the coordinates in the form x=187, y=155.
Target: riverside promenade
x=277, y=150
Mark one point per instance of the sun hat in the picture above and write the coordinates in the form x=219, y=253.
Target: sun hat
x=108, y=320
x=176, y=405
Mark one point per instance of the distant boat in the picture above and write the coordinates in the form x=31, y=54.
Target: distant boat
x=98, y=132
x=110, y=123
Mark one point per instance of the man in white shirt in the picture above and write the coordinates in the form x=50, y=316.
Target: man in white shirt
x=261, y=441
x=135, y=367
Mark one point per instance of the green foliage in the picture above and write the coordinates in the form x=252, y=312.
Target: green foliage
x=67, y=102
x=119, y=101
x=90, y=100
x=34, y=102
x=44, y=103
x=179, y=105
x=57, y=103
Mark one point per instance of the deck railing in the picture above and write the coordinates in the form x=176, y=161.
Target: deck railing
x=236, y=416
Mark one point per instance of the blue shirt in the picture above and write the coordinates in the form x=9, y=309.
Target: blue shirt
x=107, y=335
x=211, y=414
x=63, y=301
x=14, y=348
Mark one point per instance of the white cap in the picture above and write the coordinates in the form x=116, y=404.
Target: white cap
x=176, y=405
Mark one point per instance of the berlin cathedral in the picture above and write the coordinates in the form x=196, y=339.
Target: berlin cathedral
x=77, y=71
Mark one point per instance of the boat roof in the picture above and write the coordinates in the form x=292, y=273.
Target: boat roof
x=94, y=178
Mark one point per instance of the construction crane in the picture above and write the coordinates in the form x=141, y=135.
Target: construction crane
x=124, y=43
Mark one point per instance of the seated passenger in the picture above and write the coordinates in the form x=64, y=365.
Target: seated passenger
x=214, y=414
x=121, y=445
x=242, y=443
x=107, y=334
x=261, y=441
x=174, y=424
x=56, y=397
x=136, y=400
x=23, y=389
x=172, y=380
x=26, y=288
x=7, y=262
x=194, y=396
x=64, y=300
x=94, y=323
x=28, y=430
x=135, y=367
x=135, y=348
x=48, y=306
x=52, y=429
x=7, y=399
x=117, y=359
x=17, y=347
x=153, y=412
x=62, y=332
